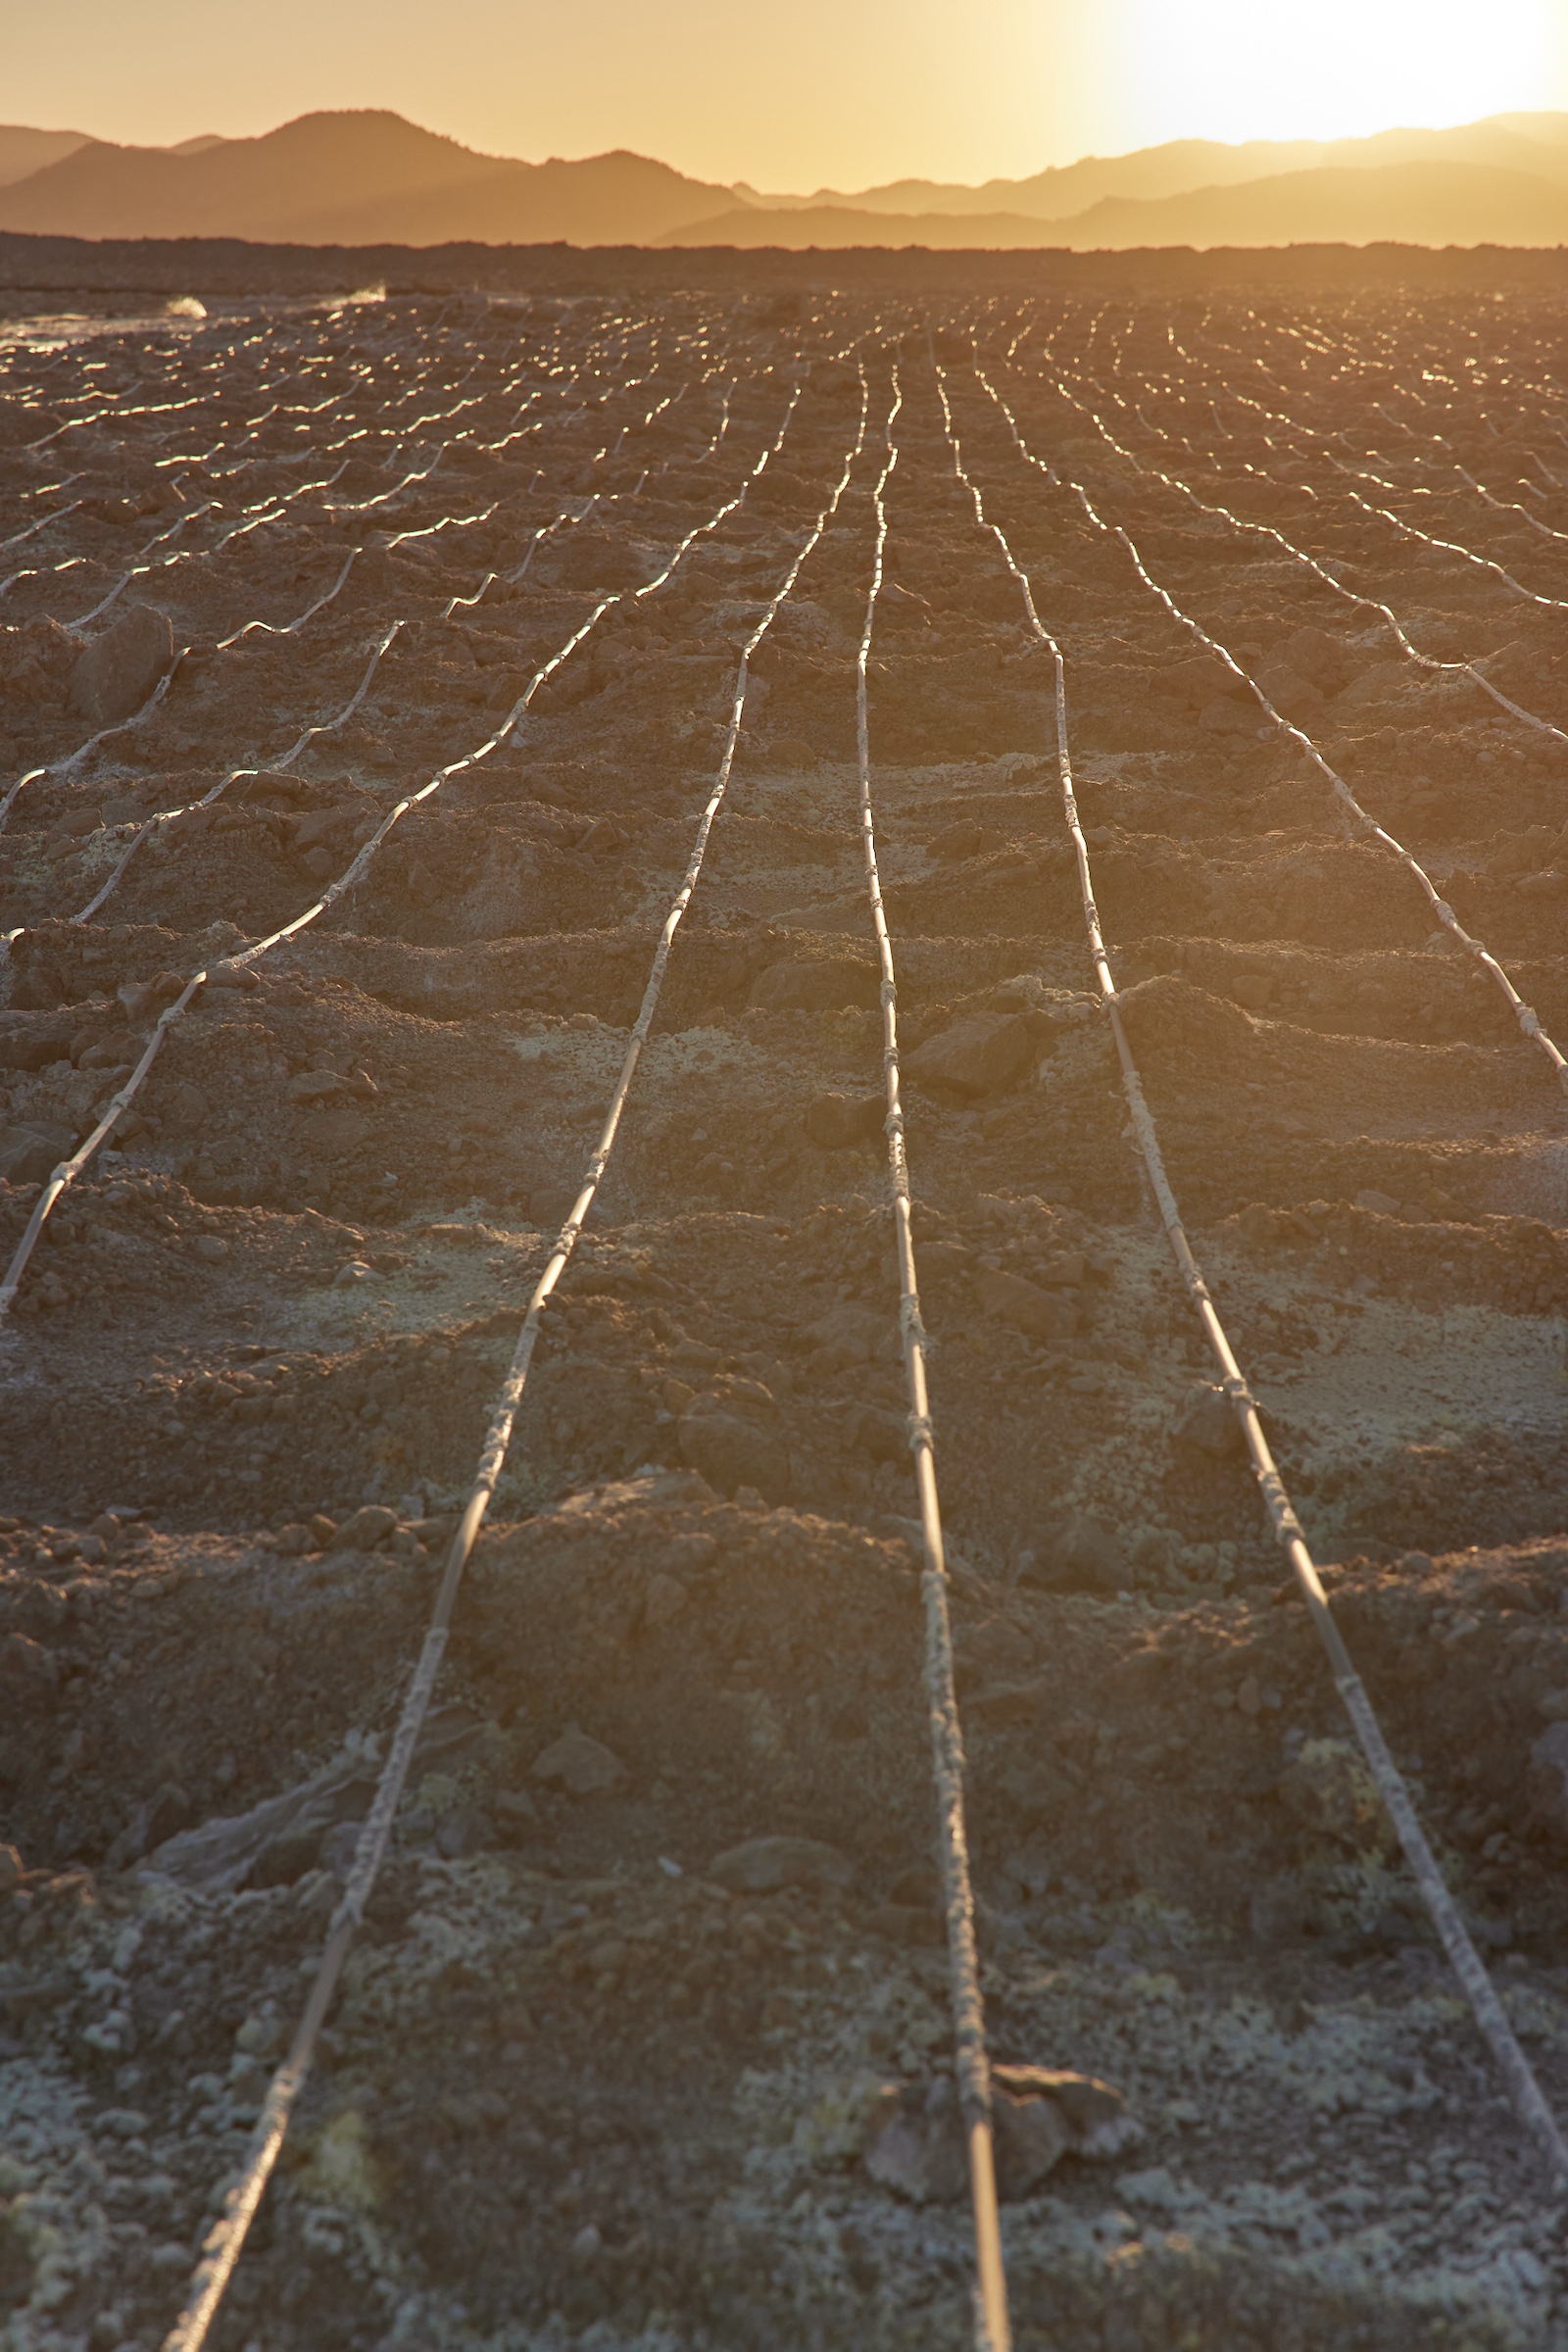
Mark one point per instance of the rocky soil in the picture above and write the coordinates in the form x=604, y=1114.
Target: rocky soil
x=645, y=2043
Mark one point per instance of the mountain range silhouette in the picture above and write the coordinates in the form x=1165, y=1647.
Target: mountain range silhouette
x=371, y=177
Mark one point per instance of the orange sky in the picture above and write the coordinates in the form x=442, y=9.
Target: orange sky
x=837, y=92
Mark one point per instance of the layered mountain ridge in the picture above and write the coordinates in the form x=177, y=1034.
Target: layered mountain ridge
x=361, y=178
x=369, y=177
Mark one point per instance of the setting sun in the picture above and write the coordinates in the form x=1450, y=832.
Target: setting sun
x=1230, y=70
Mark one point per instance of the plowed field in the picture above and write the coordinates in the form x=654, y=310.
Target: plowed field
x=402, y=641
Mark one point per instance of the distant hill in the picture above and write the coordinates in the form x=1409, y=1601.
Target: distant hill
x=22, y=152
x=1412, y=204
x=1534, y=144
x=356, y=179
x=368, y=178
x=1405, y=204
x=1066, y=188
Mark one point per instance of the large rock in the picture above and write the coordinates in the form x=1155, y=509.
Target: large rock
x=915, y=2142
x=1224, y=715
x=1037, y=1788
x=1013, y=1298
x=834, y=1121
x=581, y=1765
x=982, y=1056
x=1205, y=1422
x=1330, y=1791
x=278, y=1839
x=732, y=1438
x=1040, y=2113
x=1385, y=682
x=315, y=1086
x=764, y=1865
x=367, y=1527
x=29, y=1672
x=31, y=1153
x=120, y=671
x=36, y=663
x=184, y=1107
x=1292, y=696
x=1530, y=851
x=1166, y=1012
x=34, y=1045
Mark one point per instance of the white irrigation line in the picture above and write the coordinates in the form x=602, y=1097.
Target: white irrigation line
x=161, y=408
x=1509, y=506
x=1298, y=555
x=1468, y=1967
x=138, y=570
x=1366, y=824
x=66, y=1174
x=364, y=505
x=993, y=2330
x=189, y=456
x=56, y=515
x=360, y=432
x=256, y=518
x=48, y=489
x=516, y=432
x=1441, y=441
x=227, y=2235
x=441, y=416
x=167, y=816
x=1379, y=481
x=277, y=500
x=1450, y=409
x=288, y=628
x=723, y=426
x=547, y=529
x=281, y=354
x=295, y=457
x=41, y=571
x=29, y=776
x=447, y=523
x=569, y=519
x=63, y=768
x=1452, y=547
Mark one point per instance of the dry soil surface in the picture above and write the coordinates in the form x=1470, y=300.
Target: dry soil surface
x=607, y=2064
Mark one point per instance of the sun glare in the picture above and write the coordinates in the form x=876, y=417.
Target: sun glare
x=1238, y=69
